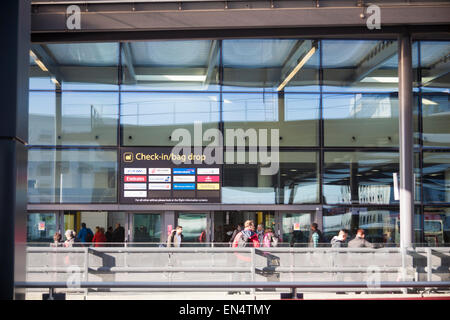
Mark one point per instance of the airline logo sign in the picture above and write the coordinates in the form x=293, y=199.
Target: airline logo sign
x=159, y=178
x=208, y=186
x=208, y=179
x=159, y=186
x=183, y=178
x=135, y=179
x=208, y=171
x=183, y=171
x=159, y=171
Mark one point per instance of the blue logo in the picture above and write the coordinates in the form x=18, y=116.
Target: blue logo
x=183, y=170
x=184, y=186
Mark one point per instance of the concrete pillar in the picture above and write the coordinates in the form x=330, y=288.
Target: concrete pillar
x=15, y=35
x=406, y=125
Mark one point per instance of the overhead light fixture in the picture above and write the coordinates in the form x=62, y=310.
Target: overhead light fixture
x=428, y=102
x=169, y=77
x=297, y=68
x=381, y=79
x=38, y=61
x=56, y=82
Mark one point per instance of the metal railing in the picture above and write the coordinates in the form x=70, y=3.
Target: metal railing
x=333, y=268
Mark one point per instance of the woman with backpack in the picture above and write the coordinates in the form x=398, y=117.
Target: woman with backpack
x=270, y=240
x=247, y=237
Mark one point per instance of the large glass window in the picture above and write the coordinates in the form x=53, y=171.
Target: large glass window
x=295, y=116
x=270, y=65
x=149, y=119
x=296, y=181
x=146, y=227
x=193, y=225
x=434, y=66
x=359, y=177
x=360, y=120
x=73, y=118
x=41, y=227
x=82, y=66
x=436, y=177
x=437, y=226
x=295, y=228
x=436, y=119
x=72, y=176
x=169, y=65
x=360, y=65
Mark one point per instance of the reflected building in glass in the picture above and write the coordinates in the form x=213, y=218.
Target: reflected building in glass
x=334, y=103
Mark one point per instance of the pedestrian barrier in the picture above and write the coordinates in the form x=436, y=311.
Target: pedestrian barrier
x=236, y=265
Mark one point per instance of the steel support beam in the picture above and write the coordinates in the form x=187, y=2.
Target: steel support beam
x=406, y=124
x=15, y=35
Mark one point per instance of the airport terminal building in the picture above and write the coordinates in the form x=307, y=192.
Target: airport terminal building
x=108, y=103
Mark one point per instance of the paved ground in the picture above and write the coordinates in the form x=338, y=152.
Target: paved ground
x=225, y=296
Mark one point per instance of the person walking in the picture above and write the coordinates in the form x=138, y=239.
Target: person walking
x=109, y=234
x=359, y=241
x=176, y=237
x=85, y=234
x=235, y=232
x=260, y=233
x=316, y=237
x=99, y=238
x=270, y=240
x=339, y=240
x=70, y=238
x=118, y=234
x=247, y=237
x=56, y=240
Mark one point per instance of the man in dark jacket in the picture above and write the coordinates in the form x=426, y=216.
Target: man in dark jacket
x=118, y=234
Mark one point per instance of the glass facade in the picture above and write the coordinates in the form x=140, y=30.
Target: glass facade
x=334, y=102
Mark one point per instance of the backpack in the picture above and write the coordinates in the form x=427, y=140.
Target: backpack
x=243, y=239
x=89, y=236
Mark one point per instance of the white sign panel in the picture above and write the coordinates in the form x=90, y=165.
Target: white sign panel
x=135, y=194
x=183, y=178
x=158, y=178
x=159, y=171
x=208, y=171
x=135, y=186
x=159, y=186
x=135, y=170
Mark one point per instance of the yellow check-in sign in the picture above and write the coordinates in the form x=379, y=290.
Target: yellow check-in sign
x=208, y=186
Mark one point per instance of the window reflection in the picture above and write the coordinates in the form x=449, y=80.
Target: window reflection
x=360, y=65
x=193, y=225
x=72, y=176
x=436, y=117
x=150, y=118
x=358, y=177
x=295, y=182
x=436, y=177
x=41, y=227
x=434, y=65
x=264, y=64
x=165, y=65
x=147, y=227
x=436, y=226
x=360, y=120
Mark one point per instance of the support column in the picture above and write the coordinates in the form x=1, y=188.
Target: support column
x=15, y=34
x=406, y=139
